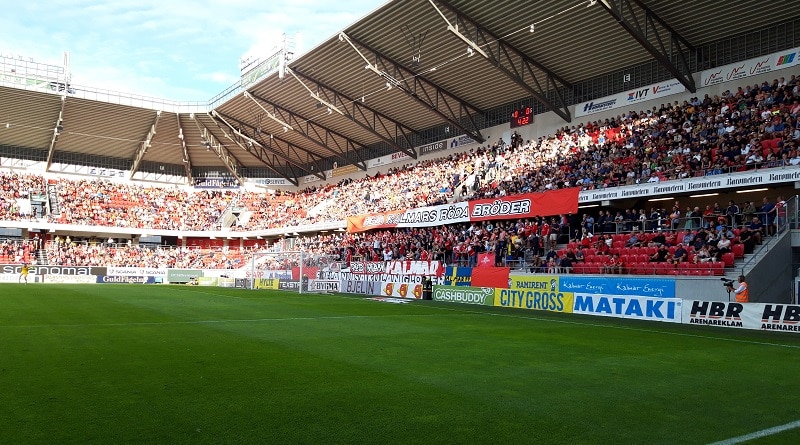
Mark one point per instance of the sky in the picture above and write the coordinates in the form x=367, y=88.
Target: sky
x=169, y=49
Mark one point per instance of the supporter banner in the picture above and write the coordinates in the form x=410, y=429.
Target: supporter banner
x=380, y=277
x=528, y=205
x=761, y=316
x=457, y=276
x=752, y=67
x=619, y=100
x=486, y=259
x=464, y=294
x=15, y=269
x=555, y=202
x=69, y=279
x=397, y=267
x=694, y=185
x=402, y=290
x=136, y=271
x=644, y=287
x=323, y=285
x=266, y=283
x=420, y=217
x=129, y=279
x=288, y=284
x=183, y=275
x=496, y=277
x=626, y=306
x=361, y=287
x=334, y=275
x=542, y=300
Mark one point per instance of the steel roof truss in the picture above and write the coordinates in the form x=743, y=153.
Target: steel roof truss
x=388, y=129
x=335, y=143
x=56, y=132
x=267, y=152
x=222, y=152
x=144, y=145
x=644, y=25
x=453, y=109
x=512, y=62
x=187, y=161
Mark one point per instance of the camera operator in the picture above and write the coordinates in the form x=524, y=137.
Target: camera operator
x=741, y=292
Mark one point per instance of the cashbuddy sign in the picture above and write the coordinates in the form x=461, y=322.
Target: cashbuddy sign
x=539, y=292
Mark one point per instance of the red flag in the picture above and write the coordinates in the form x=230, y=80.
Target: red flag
x=496, y=277
x=486, y=259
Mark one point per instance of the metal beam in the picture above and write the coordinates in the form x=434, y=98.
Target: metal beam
x=383, y=126
x=531, y=75
x=59, y=127
x=335, y=143
x=187, y=160
x=454, y=110
x=222, y=152
x=144, y=145
x=269, y=148
x=656, y=36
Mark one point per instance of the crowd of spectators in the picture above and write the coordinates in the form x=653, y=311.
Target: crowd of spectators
x=752, y=127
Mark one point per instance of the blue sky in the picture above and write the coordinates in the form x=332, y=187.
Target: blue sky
x=170, y=49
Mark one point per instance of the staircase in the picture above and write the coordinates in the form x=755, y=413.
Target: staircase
x=41, y=257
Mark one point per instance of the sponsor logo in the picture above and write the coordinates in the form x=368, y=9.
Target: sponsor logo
x=53, y=270
x=736, y=72
x=126, y=279
x=779, y=317
x=716, y=313
x=786, y=59
x=461, y=141
x=760, y=67
x=592, y=107
x=640, y=94
x=480, y=295
x=324, y=285
x=429, y=148
x=628, y=307
x=361, y=287
x=714, y=78
x=288, y=285
x=534, y=299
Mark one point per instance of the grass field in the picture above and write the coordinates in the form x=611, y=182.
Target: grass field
x=165, y=364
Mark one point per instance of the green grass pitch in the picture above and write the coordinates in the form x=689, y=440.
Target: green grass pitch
x=103, y=364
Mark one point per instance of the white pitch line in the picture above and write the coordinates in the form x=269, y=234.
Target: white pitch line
x=759, y=434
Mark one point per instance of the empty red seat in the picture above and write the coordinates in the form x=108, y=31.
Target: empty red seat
x=728, y=259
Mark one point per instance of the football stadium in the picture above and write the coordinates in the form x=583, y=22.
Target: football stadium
x=453, y=221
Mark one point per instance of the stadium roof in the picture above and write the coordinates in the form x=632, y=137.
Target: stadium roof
x=407, y=66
